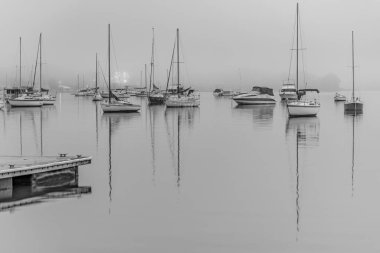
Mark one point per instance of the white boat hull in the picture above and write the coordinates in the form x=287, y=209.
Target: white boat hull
x=303, y=109
x=25, y=103
x=182, y=101
x=119, y=107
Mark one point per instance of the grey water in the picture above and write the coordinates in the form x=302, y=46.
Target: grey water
x=218, y=178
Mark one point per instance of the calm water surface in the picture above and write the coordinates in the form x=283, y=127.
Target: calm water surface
x=218, y=178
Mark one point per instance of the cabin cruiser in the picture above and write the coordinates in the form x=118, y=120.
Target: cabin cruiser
x=305, y=106
x=25, y=101
x=288, y=91
x=339, y=97
x=258, y=96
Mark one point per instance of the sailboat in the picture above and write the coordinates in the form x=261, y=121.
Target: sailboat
x=44, y=97
x=354, y=105
x=97, y=96
x=304, y=106
x=155, y=96
x=113, y=104
x=183, y=98
x=24, y=100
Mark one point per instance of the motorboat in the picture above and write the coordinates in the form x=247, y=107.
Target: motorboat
x=25, y=101
x=288, y=91
x=258, y=96
x=339, y=97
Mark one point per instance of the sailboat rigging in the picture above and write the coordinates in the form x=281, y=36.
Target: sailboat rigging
x=304, y=106
x=97, y=96
x=354, y=105
x=182, y=98
x=113, y=104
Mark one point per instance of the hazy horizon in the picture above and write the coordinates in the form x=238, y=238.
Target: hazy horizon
x=224, y=44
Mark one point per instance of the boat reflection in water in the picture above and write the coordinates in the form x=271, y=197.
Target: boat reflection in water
x=176, y=119
x=262, y=114
x=39, y=188
x=305, y=131
x=355, y=118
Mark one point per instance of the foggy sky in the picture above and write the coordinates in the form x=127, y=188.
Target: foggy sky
x=219, y=39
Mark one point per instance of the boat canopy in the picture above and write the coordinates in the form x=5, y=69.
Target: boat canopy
x=218, y=90
x=308, y=90
x=263, y=90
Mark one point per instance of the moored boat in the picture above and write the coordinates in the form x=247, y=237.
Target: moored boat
x=305, y=105
x=182, y=98
x=339, y=97
x=354, y=105
x=113, y=103
x=288, y=91
x=25, y=101
x=258, y=96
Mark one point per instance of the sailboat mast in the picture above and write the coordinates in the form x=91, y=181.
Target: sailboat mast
x=151, y=78
x=20, y=62
x=40, y=62
x=146, y=80
x=109, y=64
x=297, y=51
x=177, y=61
x=78, y=81
x=96, y=73
x=353, y=68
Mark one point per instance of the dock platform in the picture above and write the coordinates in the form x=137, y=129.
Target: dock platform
x=16, y=166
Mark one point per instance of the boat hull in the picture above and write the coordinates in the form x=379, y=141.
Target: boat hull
x=156, y=100
x=300, y=109
x=119, y=107
x=182, y=101
x=339, y=99
x=353, y=107
x=25, y=103
x=48, y=102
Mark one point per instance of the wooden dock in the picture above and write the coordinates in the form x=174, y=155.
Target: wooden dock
x=17, y=166
x=30, y=180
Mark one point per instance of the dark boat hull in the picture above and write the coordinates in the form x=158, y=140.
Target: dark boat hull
x=353, y=107
x=153, y=100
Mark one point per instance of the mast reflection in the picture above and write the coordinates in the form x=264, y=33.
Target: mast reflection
x=179, y=117
x=356, y=117
x=306, y=131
